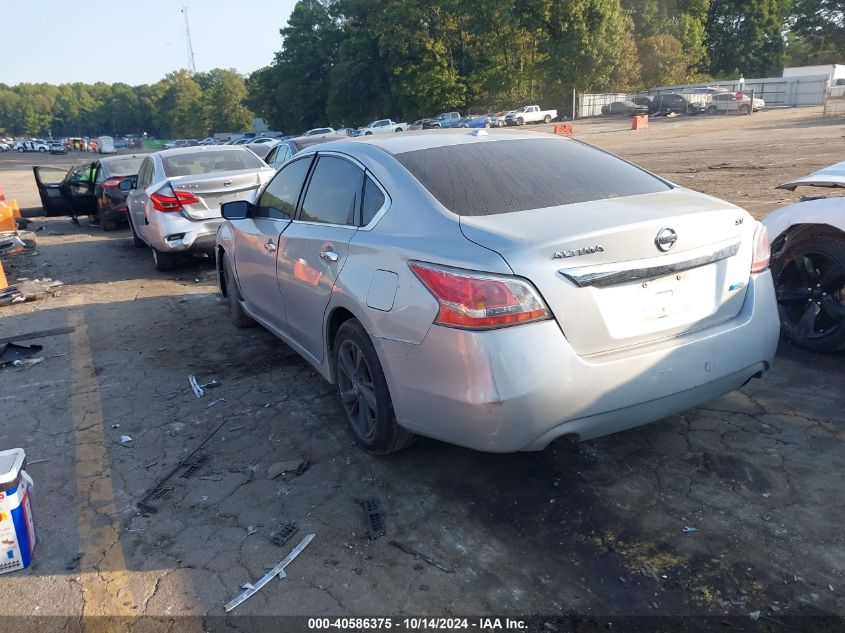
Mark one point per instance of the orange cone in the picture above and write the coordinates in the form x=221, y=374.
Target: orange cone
x=563, y=130
x=640, y=122
x=3, y=282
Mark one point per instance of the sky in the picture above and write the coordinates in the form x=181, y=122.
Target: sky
x=135, y=42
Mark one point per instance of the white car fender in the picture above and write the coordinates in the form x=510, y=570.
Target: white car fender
x=830, y=211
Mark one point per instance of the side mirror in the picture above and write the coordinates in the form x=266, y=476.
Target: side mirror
x=236, y=210
x=126, y=185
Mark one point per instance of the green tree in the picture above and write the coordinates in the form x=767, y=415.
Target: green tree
x=182, y=107
x=224, y=92
x=747, y=37
x=817, y=32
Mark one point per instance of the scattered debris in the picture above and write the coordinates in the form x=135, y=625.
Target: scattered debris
x=36, y=461
x=211, y=477
x=115, y=426
x=278, y=570
x=754, y=615
x=10, y=353
x=218, y=401
x=420, y=556
x=250, y=530
x=125, y=439
x=27, y=362
x=282, y=533
x=198, y=392
x=192, y=466
x=144, y=505
x=203, y=498
x=686, y=528
x=373, y=521
x=296, y=466
x=722, y=602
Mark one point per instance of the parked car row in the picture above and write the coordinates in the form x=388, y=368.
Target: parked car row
x=377, y=256
x=672, y=103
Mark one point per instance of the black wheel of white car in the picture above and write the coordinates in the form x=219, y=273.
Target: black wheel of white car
x=164, y=261
x=399, y=129
x=712, y=109
x=42, y=150
x=239, y=317
x=547, y=119
x=21, y=150
x=810, y=285
x=363, y=392
x=745, y=108
x=520, y=121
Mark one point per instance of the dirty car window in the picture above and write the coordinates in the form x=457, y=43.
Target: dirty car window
x=515, y=175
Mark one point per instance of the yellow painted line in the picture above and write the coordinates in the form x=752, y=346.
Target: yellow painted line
x=104, y=577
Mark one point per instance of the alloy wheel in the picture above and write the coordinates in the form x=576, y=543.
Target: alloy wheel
x=357, y=391
x=811, y=295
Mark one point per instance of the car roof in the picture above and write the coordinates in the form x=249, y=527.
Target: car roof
x=175, y=151
x=831, y=176
x=113, y=159
x=417, y=140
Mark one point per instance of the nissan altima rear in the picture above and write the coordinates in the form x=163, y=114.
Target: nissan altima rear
x=507, y=290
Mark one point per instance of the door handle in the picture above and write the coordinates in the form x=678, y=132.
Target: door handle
x=328, y=256
x=270, y=246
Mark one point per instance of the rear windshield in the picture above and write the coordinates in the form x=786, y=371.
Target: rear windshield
x=206, y=162
x=127, y=166
x=494, y=177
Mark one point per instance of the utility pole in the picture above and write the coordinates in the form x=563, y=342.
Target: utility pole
x=191, y=64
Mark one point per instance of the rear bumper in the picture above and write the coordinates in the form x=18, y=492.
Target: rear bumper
x=522, y=387
x=180, y=235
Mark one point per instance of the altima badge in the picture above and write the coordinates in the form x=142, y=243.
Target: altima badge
x=665, y=239
x=587, y=250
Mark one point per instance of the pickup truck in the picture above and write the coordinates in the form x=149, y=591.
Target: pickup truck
x=530, y=114
x=443, y=120
x=382, y=126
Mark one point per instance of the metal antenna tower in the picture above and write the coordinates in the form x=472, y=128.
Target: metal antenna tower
x=191, y=62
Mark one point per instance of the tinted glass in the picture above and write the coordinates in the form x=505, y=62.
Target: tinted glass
x=333, y=192
x=373, y=201
x=124, y=166
x=206, y=162
x=281, y=155
x=279, y=199
x=493, y=177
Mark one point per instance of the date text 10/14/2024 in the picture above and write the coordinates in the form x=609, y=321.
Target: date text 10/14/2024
x=418, y=624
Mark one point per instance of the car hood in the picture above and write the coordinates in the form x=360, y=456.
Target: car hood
x=831, y=176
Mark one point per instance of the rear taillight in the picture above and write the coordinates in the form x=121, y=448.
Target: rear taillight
x=169, y=204
x=112, y=183
x=480, y=302
x=762, y=249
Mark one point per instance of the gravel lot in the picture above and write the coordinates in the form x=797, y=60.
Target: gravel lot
x=728, y=509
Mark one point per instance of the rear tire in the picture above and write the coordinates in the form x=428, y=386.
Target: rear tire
x=239, y=318
x=815, y=262
x=108, y=225
x=363, y=392
x=164, y=261
x=547, y=119
x=745, y=109
x=520, y=121
x=712, y=109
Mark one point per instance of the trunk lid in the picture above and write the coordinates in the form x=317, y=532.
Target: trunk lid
x=215, y=189
x=604, y=277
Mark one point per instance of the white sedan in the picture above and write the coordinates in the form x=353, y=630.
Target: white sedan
x=31, y=146
x=808, y=262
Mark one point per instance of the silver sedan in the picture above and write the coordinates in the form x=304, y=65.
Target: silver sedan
x=499, y=290
x=174, y=204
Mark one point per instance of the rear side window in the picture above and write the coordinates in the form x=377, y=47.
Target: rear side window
x=373, y=201
x=206, y=162
x=492, y=177
x=280, y=197
x=334, y=192
x=127, y=166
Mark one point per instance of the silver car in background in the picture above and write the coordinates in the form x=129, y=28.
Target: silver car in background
x=450, y=295
x=174, y=204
